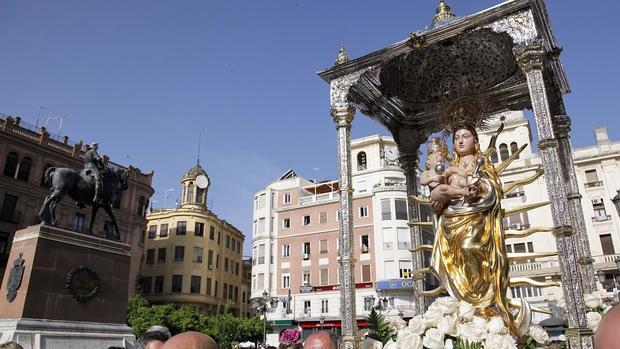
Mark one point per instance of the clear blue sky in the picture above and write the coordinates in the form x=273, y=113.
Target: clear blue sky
x=145, y=78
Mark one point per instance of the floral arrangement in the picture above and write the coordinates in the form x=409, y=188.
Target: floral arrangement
x=290, y=336
x=595, y=309
x=451, y=324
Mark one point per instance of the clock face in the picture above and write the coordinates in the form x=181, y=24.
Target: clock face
x=202, y=181
x=391, y=153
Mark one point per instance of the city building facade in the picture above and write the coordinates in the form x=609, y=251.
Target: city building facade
x=26, y=152
x=192, y=257
x=295, y=245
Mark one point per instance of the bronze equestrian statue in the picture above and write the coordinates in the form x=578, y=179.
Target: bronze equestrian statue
x=94, y=185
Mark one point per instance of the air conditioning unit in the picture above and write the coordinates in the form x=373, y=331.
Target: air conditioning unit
x=597, y=201
x=210, y=266
x=516, y=226
x=306, y=256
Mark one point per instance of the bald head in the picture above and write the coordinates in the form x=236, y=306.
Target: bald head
x=321, y=340
x=606, y=336
x=190, y=340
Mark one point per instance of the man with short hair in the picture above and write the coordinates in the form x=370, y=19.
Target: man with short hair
x=321, y=340
x=152, y=339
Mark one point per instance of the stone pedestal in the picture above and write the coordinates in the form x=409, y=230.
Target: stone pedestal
x=53, y=307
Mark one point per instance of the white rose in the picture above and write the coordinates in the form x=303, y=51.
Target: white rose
x=433, y=339
x=481, y=322
x=447, y=304
x=593, y=300
x=447, y=325
x=417, y=325
x=448, y=344
x=408, y=341
x=539, y=334
x=433, y=316
x=593, y=320
x=396, y=323
x=390, y=345
x=466, y=310
x=497, y=341
x=562, y=337
x=497, y=326
x=471, y=332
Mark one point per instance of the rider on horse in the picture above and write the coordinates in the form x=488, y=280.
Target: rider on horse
x=94, y=163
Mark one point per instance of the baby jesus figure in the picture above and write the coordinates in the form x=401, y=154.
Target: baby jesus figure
x=441, y=180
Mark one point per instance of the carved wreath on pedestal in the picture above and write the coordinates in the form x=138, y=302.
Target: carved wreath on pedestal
x=83, y=284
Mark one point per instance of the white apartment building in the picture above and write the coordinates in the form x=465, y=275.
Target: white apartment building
x=295, y=242
x=598, y=174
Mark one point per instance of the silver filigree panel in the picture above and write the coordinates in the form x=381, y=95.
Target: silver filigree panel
x=520, y=26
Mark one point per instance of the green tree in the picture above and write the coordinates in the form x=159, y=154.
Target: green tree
x=378, y=328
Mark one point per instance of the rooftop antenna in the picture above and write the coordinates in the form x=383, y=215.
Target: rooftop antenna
x=39, y=116
x=199, y=139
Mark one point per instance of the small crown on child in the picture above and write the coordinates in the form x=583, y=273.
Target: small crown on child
x=437, y=145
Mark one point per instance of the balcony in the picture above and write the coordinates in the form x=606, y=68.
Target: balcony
x=308, y=200
x=593, y=184
x=601, y=218
x=552, y=267
x=388, y=186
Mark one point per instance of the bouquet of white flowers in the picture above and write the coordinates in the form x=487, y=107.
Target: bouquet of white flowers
x=451, y=324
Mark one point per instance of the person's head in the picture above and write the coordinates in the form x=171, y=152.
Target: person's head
x=11, y=345
x=437, y=152
x=152, y=339
x=190, y=340
x=321, y=340
x=606, y=336
x=465, y=140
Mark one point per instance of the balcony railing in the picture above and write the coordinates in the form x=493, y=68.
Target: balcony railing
x=601, y=218
x=593, y=184
x=319, y=198
x=601, y=262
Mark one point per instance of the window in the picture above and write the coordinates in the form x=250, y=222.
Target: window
x=236, y=268
x=322, y=217
x=159, y=284
x=161, y=255
x=219, y=237
x=286, y=250
x=197, y=255
x=108, y=229
x=600, y=214
x=146, y=284
x=365, y=272
x=261, y=254
x=386, y=212
x=260, y=281
x=607, y=244
x=236, y=294
x=305, y=279
x=181, y=227
x=217, y=261
x=150, y=256
x=286, y=223
x=307, y=309
x=364, y=211
x=195, y=284
x=190, y=192
x=209, y=286
x=227, y=241
x=141, y=205
x=78, y=222
x=199, y=193
x=215, y=290
x=361, y=161
x=404, y=239
x=287, y=198
x=232, y=244
x=179, y=253
x=239, y=247
x=405, y=269
x=210, y=259
x=324, y=277
x=7, y=212
x=388, y=238
x=261, y=200
x=211, y=233
x=514, y=148
x=254, y=255
x=117, y=199
x=24, y=169
x=503, y=151
x=43, y=181
x=261, y=225
x=225, y=263
x=400, y=206
x=368, y=303
x=323, y=246
x=177, y=283
x=338, y=216
x=306, y=250
x=286, y=280
x=519, y=221
x=306, y=220
x=324, y=306
x=10, y=166
x=591, y=176
x=364, y=244
x=163, y=230
x=199, y=229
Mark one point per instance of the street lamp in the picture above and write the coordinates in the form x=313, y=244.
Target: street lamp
x=264, y=309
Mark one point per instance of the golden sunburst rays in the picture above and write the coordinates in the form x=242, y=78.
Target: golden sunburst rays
x=422, y=248
x=523, y=208
x=513, y=185
x=516, y=234
x=420, y=201
x=491, y=147
x=519, y=256
x=434, y=292
x=501, y=167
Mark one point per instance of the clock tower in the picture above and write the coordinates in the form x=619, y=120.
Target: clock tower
x=195, y=185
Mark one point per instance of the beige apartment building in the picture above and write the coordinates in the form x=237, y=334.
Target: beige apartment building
x=192, y=257
x=25, y=153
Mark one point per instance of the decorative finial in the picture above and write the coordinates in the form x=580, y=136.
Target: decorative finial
x=199, y=139
x=442, y=13
x=342, y=56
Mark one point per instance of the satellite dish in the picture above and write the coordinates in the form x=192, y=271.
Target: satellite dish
x=202, y=181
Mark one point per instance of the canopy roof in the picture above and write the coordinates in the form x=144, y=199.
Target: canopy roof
x=464, y=62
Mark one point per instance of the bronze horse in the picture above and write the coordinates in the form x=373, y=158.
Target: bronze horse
x=80, y=186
